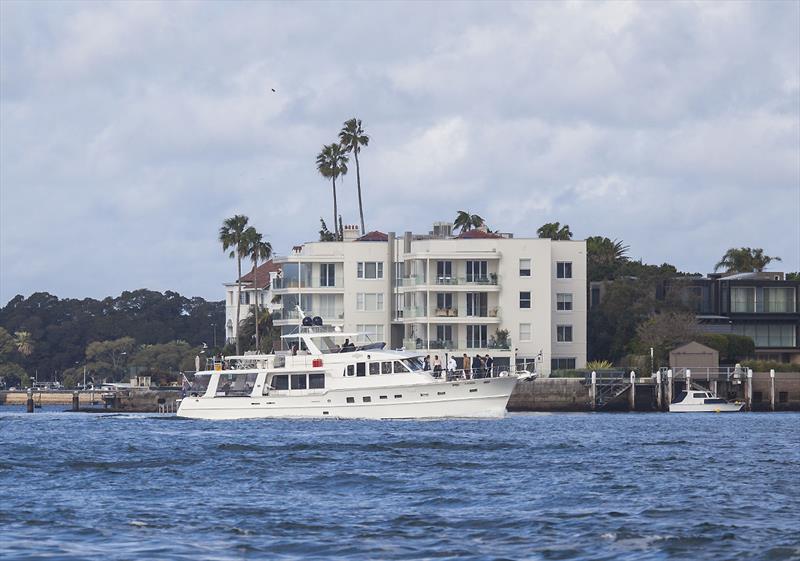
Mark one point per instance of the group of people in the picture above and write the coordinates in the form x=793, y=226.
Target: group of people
x=477, y=367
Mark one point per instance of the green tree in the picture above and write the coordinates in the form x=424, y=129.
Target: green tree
x=664, y=332
x=270, y=334
x=554, y=231
x=23, y=343
x=104, y=356
x=325, y=235
x=352, y=139
x=604, y=257
x=465, y=221
x=258, y=250
x=7, y=345
x=331, y=163
x=744, y=260
x=793, y=276
x=231, y=235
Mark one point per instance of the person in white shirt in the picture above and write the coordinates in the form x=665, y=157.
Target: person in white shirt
x=451, y=366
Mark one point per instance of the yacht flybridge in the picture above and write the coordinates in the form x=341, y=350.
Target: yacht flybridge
x=325, y=375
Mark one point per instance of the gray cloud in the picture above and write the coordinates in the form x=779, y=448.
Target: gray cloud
x=129, y=131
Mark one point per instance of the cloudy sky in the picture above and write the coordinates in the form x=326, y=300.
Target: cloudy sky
x=129, y=131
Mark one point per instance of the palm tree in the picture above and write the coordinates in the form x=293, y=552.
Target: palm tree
x=332, y=162
x=23, y=342
x=604, y=257
x=744, y=260
x=352, y=138
x=257, y=249
x=231, y=235
x=554, y=231
x=465, y=221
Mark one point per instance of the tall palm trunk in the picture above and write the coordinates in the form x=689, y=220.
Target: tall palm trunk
x=238, y=297
x=255, y=281
x=358, y=182
x=335, y=209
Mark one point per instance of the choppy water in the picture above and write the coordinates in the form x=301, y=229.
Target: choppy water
x=602, y=486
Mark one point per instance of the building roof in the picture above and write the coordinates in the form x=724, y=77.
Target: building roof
x=263, y=272
x=373, y=236
x=478, y=235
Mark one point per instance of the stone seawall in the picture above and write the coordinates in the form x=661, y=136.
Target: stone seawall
x=550, y=394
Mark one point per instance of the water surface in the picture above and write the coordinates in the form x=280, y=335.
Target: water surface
x=565, y=486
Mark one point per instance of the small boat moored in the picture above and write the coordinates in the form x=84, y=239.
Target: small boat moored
x=695, y=401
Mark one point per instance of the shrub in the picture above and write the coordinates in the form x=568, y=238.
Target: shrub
x=766, y=366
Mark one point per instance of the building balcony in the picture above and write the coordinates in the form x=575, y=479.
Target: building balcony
x=294, y=316
x=419, y=344
x=490, y=282
x=285, y=285
x=450, y=315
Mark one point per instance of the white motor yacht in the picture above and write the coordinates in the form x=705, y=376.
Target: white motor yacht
x=695, y=401
x=326, y=376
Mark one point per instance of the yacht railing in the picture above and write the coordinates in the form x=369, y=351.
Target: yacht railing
x=480, y=373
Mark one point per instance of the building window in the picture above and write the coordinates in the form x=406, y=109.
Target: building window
x=562, y=364
x=524, y=331
x=369, y=301
x=477, y=271
x=444, y=301
x=524, y=267
x=328, y=307
x=768, y=334
x=444, y=335
x=327, y=274
x=525, y=299
x=370, y=269
x=767, y=299
x=563, y=302
x=444, y=272
x=476, y=337
x=477, y=304
x=373, y=331
x=564, y=333
x=564, y=270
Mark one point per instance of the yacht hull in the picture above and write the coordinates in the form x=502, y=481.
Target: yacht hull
x=705, y=408
x=471, y=398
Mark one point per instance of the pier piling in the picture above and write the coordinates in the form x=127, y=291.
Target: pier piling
x=29, y=402
x=749, y=388
x=659, y=396
x=670, y=388
x=632, y=398
x=594, y=390
x=772, y=389
x=75, y=401
x=688, y=380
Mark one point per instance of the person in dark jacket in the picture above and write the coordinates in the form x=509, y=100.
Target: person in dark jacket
x=477, y=366
x=489, y=365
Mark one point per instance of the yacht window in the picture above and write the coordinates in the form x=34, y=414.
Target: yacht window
x=398, y=396
x=351, y=400
x=714, y=400
x=200, y=383
x=361, y=369
x=280, y=382
x=398, y=367
x=414, y=364
x=384, y=397
x=351, y=370
x=299, y=382
x=386, y=367
x=366, y=399
x=699, y=394
x=316, y=381
x=238, y=384
x=374, y=368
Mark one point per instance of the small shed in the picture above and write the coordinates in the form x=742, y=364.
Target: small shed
x=693, y=355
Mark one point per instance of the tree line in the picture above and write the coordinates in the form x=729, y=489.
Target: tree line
x=49, y=337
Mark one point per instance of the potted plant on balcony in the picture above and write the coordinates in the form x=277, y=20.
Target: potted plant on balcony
x=499, y=340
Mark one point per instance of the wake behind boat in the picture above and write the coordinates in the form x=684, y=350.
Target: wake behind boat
x=324, y=375
x=702, y=402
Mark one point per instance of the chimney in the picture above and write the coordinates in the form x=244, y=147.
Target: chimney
x=350, y=233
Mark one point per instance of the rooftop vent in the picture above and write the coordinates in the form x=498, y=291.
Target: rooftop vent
x=442, y=230
x=350, y=232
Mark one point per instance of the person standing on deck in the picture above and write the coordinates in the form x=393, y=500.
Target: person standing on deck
x=465, y=367
x=477, y=366
x=437, y=366
x=451, y=366
x=489, y=365
x=426, y=362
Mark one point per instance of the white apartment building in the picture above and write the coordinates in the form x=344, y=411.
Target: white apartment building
x=521, y=300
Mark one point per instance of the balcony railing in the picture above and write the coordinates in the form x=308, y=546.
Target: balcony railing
x=475, y=280
x=328, y=315
x=449, y=313
x=278, y=284
x=444, y=344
